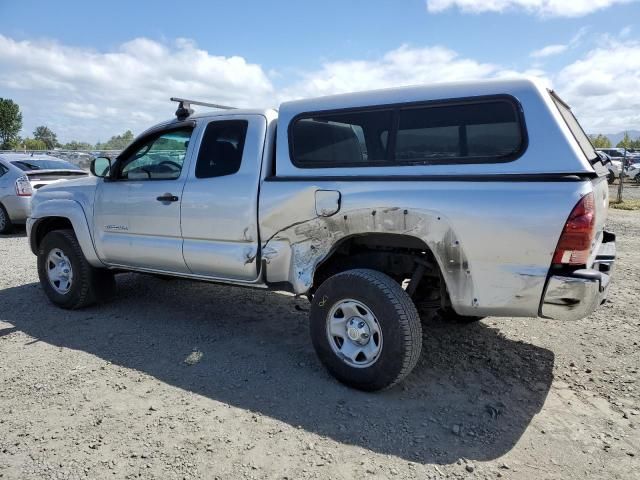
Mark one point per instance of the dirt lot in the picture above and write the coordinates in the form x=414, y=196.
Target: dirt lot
x=184, y=380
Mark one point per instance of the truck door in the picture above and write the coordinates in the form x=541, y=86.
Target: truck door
x=220, y=199
x=137, y=210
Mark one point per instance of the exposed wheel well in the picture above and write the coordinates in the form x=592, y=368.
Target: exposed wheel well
x=406, y=259
x=47, y=225
x=396, y=255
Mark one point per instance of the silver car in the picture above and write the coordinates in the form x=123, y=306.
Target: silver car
x=20, y=175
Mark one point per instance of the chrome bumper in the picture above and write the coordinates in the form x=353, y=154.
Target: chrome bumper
x=576, y=295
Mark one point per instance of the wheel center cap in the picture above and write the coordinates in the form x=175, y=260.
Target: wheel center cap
x=358, y=330
x=353, y=333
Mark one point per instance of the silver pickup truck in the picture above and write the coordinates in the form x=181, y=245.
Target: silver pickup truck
x=385, y=208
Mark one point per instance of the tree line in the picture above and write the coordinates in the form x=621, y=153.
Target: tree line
x=43, y=137
x=602, y=141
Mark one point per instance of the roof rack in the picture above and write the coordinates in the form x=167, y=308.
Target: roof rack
x=184, y=108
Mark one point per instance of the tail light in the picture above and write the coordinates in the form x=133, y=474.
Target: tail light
x=574, y=245
x=23, y=187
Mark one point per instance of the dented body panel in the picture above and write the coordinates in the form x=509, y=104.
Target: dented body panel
x=493, y=240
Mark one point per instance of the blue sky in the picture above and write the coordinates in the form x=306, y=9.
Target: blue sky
x=92, y=69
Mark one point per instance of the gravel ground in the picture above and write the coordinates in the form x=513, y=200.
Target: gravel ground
x=185, y=380
x=630, y=191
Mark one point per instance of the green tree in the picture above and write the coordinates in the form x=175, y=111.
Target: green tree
x=117, y=142
x=600, y=141
x=625, y=142
x=75, y=145
x=46, y=135
x=33, y=144
x=10, y=123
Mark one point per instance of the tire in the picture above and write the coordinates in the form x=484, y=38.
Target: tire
x=86, y=284
x=611, y=178
x=5, y=222
x=376, y=300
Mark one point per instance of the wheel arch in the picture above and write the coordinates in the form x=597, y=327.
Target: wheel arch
x=390, y=253
x=62, y=214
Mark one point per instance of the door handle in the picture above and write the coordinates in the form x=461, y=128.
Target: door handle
x=167, y=197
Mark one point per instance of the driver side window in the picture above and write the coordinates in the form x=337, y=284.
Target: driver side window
x=159, y=158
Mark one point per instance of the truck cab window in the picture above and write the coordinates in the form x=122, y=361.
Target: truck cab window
x=159, y=158
x=221, y=148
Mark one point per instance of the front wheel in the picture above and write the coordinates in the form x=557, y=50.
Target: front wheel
x=611, y=178
x=66, y=277
x=365, y=329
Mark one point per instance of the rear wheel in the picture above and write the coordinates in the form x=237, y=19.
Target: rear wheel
x=365, y=329
x=65, y=275
x=611, y=178
x=5, y=222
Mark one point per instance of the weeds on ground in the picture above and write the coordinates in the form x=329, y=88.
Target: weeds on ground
x=626, y=204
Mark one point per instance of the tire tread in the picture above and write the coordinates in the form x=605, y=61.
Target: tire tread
x=94, y=284
x=409, y=325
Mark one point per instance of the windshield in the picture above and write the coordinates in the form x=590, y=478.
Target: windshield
x=576, y=129
x=36, y=164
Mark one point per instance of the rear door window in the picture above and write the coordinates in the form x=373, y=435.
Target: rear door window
x=221, y=148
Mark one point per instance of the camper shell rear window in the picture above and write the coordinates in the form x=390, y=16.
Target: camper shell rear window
x=461, y=131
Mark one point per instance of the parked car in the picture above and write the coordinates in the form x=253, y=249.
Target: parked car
x=614, y=153
x=20, y=175
x=381, y=207
x=625, y=156
x=614, y=166
x=633, y=172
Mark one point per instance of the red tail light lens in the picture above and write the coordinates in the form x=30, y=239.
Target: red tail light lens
x=23, y=187
x=574, y=245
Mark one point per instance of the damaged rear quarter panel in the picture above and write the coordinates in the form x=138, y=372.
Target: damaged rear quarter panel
x=492, y=240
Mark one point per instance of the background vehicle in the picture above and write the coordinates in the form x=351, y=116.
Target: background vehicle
x=20, y=175
x=633, y=172
x=452, y=201
x=614, y=166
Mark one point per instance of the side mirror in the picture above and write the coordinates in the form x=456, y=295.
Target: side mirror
x=101, y=167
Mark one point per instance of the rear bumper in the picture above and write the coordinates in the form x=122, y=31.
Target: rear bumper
x=17, y=207
x=575, y=296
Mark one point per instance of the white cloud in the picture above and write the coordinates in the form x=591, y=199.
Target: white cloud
x=399, y=67
x=625, y=32
x=88, y=95
x=557, y=49
x=551, y=8
x=549, y=51
x=603, y=87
